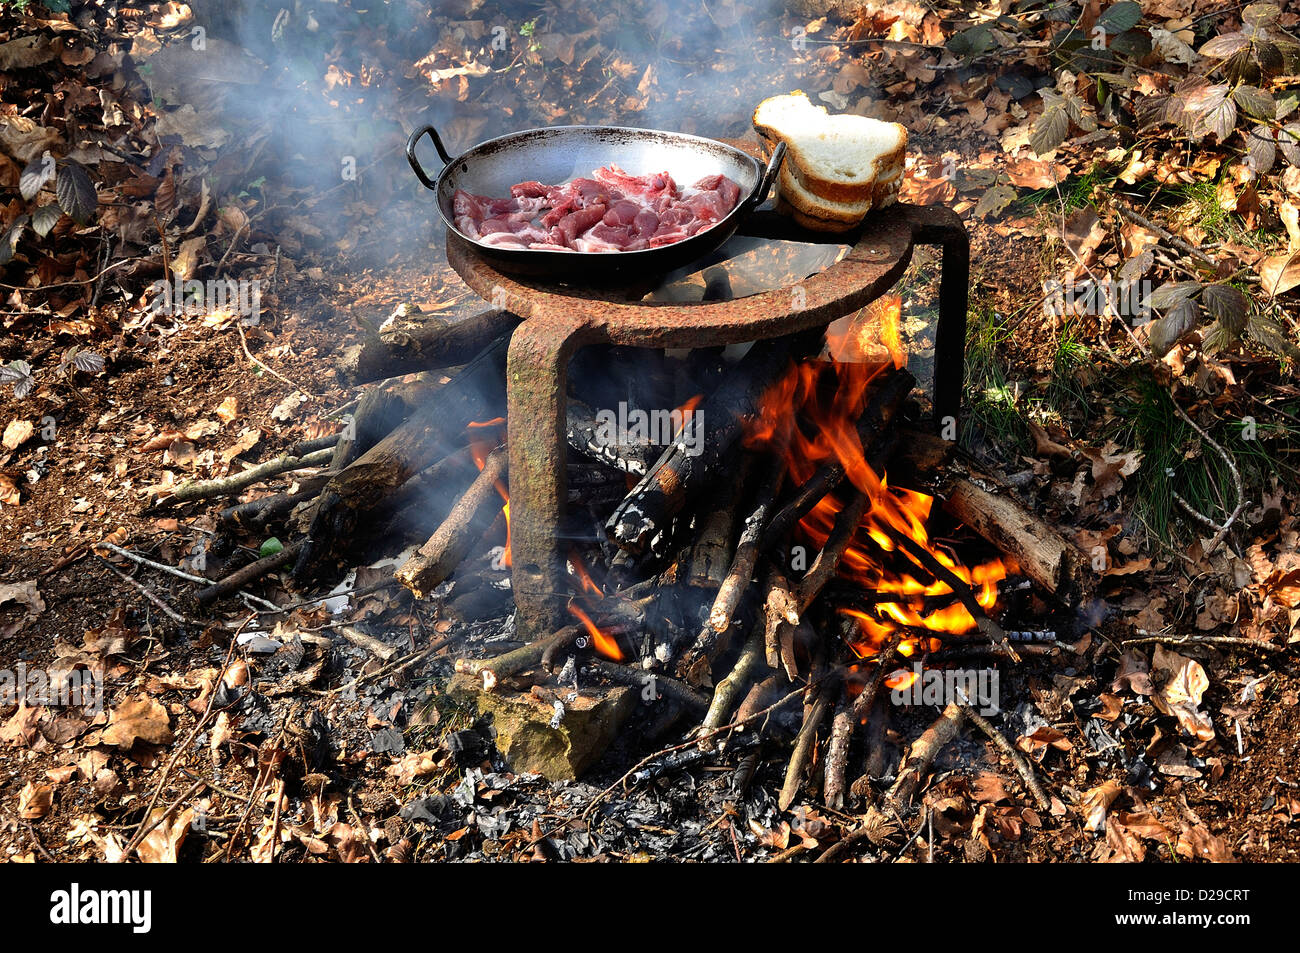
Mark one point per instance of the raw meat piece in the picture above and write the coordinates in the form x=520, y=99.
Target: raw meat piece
x=609, y=212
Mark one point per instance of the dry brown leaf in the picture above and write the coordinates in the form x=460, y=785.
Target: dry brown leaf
x=9, y=491
x=23, y=727
x=117, y=538
x=35, y=800
x=160, y=442
x=1045, y=446
x=1096, y=802
x=25, y=593
x=140, y=718
x=17, y=432
x=161, y=845
x=1182, y=681
x=228, y=410
x=1279, y=273
x=1030, y=173
x=247, y=440
x=186, y=261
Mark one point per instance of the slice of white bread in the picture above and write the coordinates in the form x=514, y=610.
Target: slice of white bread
x=837, y=168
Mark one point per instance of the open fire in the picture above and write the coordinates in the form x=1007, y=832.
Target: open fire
x=728, y=535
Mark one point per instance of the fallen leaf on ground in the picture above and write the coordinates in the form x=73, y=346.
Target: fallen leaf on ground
x=35, y=800
x=142, y=719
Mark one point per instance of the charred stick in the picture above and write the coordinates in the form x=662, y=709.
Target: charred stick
x=923, y=752
x=688, y=466
x=422, y=439
x=877, y=732
x=146, y=592
x=465, y=525
x=837, y=751
x=257, y=513
x=885, y=658
x=585, y=433
x=493, y=670
x=992, y=651
x=711, y=554
x=741, y=571
x=419, y=342
x=715, y=634
x=827, y=561
x=664, y=685
x=563, y=640
x=485, y=602
x=254, y=570
x=421, y=489
x=379, y=411
x=814, y=714
x=1022, y=766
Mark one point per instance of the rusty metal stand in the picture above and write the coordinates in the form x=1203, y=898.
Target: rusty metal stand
x=560, y=320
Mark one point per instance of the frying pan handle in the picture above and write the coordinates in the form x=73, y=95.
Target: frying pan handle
x=418, y=169
x=769, y=177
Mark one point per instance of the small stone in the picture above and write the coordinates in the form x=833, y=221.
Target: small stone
x=524, y=733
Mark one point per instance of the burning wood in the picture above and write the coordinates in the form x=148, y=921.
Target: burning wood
x=852, y=581
x=698, y=452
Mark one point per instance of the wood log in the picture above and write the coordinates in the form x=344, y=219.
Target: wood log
x=1040, y=552
x=493, y=670
x=837, y=752
x=711, y=555
x=256, y=514
x=728, y=690
x=691, y=464
x=380, y=410
x=419, y=342
x=584, y=433
x=664, y=686
x=432, y=432
x=465, y=525
x=741, y=571
x=923, y=752
x=814, y=714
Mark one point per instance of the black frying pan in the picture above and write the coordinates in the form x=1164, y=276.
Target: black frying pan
x=561, y=153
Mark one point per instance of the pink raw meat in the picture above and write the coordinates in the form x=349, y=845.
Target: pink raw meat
x=611, y=211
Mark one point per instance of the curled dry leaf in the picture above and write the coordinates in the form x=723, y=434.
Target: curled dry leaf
x=161, y=845
x=1182, y=682
x=1096, y=802
x=9, y=491
x=25, y=593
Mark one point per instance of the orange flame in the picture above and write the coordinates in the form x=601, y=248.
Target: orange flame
x=606, y=645
x=479, y=449
x=828, y=398
x=584, y=577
